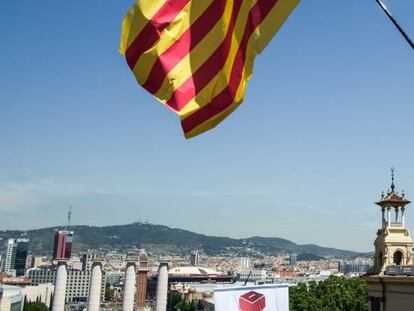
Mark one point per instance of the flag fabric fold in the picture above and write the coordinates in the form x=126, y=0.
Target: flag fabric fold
x=196, y=56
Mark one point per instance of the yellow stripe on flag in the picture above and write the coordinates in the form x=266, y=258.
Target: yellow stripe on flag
x=172, y=33
x=220, y=81
x=216, y=93
x=214, y=121
x=193, y=61
x=136, y=19
x=272, y=23
x=257, y=42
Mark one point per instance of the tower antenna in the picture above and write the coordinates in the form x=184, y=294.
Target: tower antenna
x=392, y=179
x=69, y=215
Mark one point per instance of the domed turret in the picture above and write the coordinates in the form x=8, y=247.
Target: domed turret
x=393, y=246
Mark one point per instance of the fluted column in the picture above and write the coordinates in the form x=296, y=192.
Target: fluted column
x=403, y=216
x=129, y=287
x=162, y=287
x=95, y=287
x=60, y=286
x=389, y=217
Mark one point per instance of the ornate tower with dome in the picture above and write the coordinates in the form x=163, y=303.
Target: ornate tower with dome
x=393, y=245
x=391, y=281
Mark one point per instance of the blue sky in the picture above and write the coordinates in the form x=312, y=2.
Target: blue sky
x=328, y=112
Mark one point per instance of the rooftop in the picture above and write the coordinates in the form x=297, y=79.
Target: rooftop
x=192, y=271
x=393, y=198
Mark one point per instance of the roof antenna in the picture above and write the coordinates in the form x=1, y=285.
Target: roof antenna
x=392, y=179
x=69, y=215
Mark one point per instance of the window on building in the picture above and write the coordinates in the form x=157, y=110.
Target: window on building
x=375, y=304
x=398, y=256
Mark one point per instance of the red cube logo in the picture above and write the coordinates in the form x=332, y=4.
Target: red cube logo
x=252, y=301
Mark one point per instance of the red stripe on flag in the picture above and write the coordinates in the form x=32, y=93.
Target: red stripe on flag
x=184, y=45
x=208, y=70
x=152, y=30
x=224, y=100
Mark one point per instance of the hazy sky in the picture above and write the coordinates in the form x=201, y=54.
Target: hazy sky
x=329, y=110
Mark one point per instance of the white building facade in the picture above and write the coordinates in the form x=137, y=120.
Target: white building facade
x=78, y=282
x=9, y=256
x=253, y=275
x=11, y=298
x=43, y=292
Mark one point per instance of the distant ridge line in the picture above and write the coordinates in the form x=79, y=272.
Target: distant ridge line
x=160, y=238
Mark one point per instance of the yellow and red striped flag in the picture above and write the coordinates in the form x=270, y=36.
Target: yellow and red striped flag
x=196, y=56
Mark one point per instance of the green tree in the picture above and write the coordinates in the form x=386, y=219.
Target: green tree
x=177, y=303
x=109, y=292
x=333, y=294
x=36, y=306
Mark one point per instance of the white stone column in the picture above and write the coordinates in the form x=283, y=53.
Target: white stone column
x=95, y=287
x=129, y=287
x=60, y=286
x=403, y=217
x=162, y=288
x=383, y=217
x=389, y=217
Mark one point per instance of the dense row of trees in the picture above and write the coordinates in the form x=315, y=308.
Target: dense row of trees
x=334, y=294
x=176, y=303
x=34, y=306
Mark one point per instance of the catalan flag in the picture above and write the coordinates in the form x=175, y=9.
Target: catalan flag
x=196, y=56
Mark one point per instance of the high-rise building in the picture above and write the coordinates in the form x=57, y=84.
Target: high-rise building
x=9, y=256
x=63, y=245
x=22, y=247
x=194, y=258
x=245, y=263
x=87, y=259
x=293, y=259
x=15, y=256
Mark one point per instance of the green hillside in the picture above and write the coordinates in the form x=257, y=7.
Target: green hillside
x=162, y=239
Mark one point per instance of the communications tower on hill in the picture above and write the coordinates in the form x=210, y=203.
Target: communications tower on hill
x=63, y=241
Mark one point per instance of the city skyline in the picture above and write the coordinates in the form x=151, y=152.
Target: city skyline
x=308, y=152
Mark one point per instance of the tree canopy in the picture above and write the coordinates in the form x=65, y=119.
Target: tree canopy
x=333, y=294
x=176, y=303
x=35, y=306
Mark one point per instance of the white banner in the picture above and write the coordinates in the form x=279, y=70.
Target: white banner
x=252, y=298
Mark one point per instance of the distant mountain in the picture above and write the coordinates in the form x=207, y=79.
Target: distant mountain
x=158, y=239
